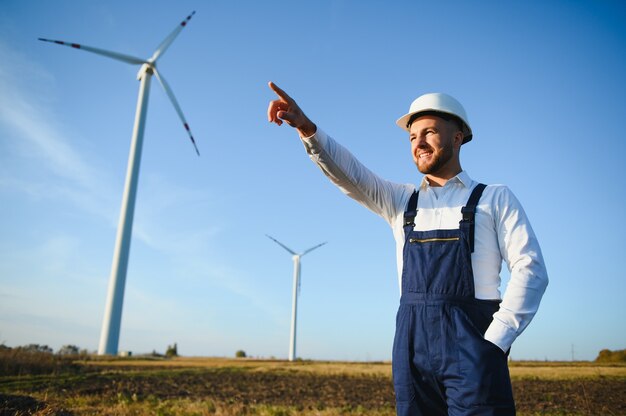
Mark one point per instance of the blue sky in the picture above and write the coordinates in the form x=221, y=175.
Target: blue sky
x=543, y=84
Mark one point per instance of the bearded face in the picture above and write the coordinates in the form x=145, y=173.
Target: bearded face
x=432, y=146
x=431, y=160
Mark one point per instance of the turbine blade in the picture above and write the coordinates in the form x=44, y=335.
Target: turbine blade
x=313, y=248
x=170, y=94
x=281, y=244
x=168, y=40
x=109, y=54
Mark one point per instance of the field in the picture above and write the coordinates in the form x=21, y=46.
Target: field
x=53, y=385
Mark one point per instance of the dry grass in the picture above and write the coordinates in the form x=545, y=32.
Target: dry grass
x=249, y=364
x=519, y=369
x=566, y=371
x=17, y=362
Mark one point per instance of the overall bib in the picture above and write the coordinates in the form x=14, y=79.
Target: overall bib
x=441, y=362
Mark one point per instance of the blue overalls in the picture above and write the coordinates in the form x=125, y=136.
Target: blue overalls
x=442, y=365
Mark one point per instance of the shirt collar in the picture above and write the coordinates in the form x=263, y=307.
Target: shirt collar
x=463, y=178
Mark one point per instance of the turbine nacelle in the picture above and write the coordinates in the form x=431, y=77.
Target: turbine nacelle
x=146, y=68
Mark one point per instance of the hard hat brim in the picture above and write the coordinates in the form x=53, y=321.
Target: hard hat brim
x=404, y=120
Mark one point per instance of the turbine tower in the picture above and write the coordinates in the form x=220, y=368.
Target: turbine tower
x=110, y=335
x=296, y=289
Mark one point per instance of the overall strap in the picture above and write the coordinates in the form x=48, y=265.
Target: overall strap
x=411, y=211
x=469, y=212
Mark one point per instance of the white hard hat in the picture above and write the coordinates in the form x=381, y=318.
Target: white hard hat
x=437, y=103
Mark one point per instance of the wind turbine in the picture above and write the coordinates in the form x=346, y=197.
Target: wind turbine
x=110, y=335
x=296, y=289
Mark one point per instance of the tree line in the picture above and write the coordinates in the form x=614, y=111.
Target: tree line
x=608, y=356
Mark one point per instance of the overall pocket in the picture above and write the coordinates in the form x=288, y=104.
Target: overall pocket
x=482, y=365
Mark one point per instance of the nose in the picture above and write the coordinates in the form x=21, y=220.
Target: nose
x=420, y=141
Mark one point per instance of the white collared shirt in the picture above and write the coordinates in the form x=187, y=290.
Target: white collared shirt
x=502, y=231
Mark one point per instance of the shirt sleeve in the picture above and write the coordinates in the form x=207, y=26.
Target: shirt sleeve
x=521, y=252
x=383, y=197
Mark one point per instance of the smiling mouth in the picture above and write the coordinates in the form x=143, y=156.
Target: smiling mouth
x=425, y=155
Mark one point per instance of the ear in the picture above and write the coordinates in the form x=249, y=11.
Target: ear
x=458, y=139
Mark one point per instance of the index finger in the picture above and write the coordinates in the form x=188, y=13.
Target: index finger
x=282, y=94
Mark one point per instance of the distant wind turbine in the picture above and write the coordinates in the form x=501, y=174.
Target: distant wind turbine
x=296, y=290
x=110, y=335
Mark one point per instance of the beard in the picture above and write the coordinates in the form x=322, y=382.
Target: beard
x=438, y=160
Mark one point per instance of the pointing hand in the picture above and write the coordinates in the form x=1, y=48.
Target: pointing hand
x=286, y=109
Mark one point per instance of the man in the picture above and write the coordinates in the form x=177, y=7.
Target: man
x=453, y=329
